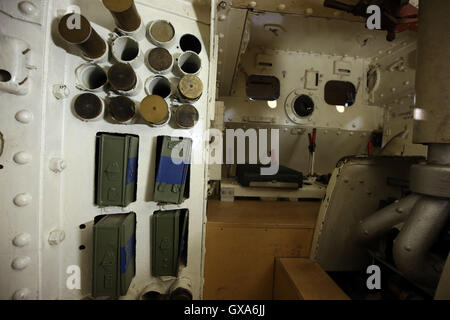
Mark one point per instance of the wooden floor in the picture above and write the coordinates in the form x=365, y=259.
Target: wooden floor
x=243, y=238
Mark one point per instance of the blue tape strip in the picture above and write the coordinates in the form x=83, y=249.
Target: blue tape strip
x=127, y=254
x=131, y=171
x=171, y=173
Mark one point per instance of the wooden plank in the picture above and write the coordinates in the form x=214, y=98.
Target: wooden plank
x=314, y=191
x=264, y=213
x=239, y=260
x=302, y=279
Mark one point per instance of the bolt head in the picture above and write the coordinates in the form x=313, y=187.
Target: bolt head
x=56, y=237
x=22, y=200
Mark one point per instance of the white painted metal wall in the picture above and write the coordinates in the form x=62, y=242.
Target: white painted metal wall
x=64, y=201
x=316, y=40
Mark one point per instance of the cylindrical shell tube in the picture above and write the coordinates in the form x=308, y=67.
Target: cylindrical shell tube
x=125, y=49
x=124, y=13
x=189, y=63
x=155, y=110
x=76, y=30
x=190, y=88
x=122, y=77
x=158, y=85
x=90, y=77
x=159, y=60
x=186, y=116
x=122, y=109
x=88, y=107
x=161, y=33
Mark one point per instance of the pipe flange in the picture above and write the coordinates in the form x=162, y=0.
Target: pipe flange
x=432, y=180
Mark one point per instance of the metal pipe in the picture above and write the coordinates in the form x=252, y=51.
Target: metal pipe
x=83, y=35
x=412, y=245
x=383, y=220
x=432, y=123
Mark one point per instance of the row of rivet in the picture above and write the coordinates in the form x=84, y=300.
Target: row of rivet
x=21, y=200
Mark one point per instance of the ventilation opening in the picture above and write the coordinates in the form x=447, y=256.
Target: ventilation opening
x=5, y=76
x=189, y=42
x=340, y=93
x=260, y=87
x=303, y=106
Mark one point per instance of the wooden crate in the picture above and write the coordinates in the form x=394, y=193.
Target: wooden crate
x=302, y=279
x=244, y=237
x=230, y=189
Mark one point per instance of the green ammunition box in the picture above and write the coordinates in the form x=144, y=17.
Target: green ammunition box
x=172, y=169
x=116, y=169
x=114, y=263
x=165, y=243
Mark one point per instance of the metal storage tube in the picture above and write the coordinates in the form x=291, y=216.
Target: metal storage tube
x=432, y=119
x=85, y=38
x=124, y=13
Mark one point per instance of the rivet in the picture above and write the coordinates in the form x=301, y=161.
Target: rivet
x=22, y=239
x=281, y=6
x=22, y=200
x=252, y=4
x=399, y=210
x=22, y=294
x=222, y=17
x=24, y=116
x=309, y=11
x=28, y=8
x=22, y=157
x=20, y=263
